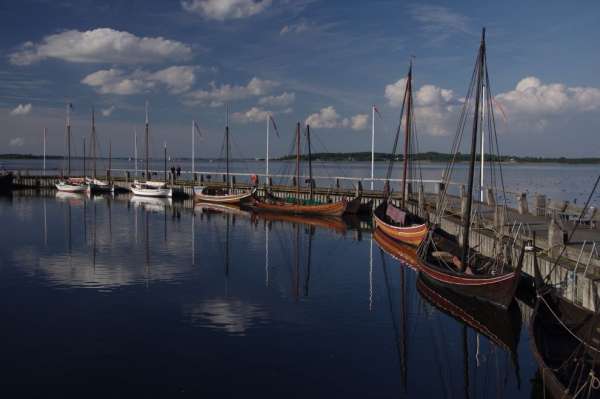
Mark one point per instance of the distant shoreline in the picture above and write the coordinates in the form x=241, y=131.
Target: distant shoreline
x=355, y=157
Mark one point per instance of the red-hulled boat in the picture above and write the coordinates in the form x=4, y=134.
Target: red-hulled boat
x=398, y=222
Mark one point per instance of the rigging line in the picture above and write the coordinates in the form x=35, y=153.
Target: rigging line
x=577, y=223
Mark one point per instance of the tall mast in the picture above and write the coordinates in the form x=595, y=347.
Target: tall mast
x=109, y=156
x=147, y=153
x=479, y=68
x=193, y=147
x=407, y=120
x=309, y=162
x=84, y=156
x=135, y=151
x=69, y=139
x=267, y=157
x=44, y=145
x=165, y=145
x=372, y=144
x=227, y=146
x=481, y=179
x=298, y=162
x=93, y=152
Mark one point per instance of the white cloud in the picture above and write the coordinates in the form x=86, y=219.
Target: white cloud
x=101, y=45
x=21, y=109
x=217, y=96
x=359, y=121
x=435, y=108
x=282, y=100
x=221, y=10
x=254, y=114
x=299, y=27
x=17, y=142
x=108, y=111
x=326, y=118
x=176, y=79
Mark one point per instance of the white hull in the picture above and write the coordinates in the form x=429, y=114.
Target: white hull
x=200, y=195
x=146, y=191
x=71, y=188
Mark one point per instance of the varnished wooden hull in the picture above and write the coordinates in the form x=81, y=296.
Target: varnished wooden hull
x=332, y=209
x=497, y=290
x=411, y=235
x=231, y=199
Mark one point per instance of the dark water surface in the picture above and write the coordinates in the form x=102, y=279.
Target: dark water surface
x=108, y=297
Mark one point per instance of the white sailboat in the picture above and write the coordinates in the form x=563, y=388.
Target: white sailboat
x=70, y=184
x=150, y=188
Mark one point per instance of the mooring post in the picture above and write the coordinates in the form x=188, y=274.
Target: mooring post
x=555, y=237
x=359, y=189
x=233, y=181
x=421, y=201
x=201, y=178
x=337, y=184
x=127, y=177
x=270, y=182
x=490, y=199
x=522, y=206
x=540, y=205
x=499, y=218
x=195, y=177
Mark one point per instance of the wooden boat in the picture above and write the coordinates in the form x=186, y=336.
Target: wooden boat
x=6, y=181
x=224, y=195
x=72, y=185
x=399, y=223
x=297, y=205
x=447, y=263
x=150, y=188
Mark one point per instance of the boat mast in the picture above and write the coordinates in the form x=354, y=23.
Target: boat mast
x=69, y=139
x=135, y=151
x=481, y=179
x=406, y=133
x=479, y=68
x=227, y=147
x=165, y=145
x=298, y=162
x=310, y=179
x=147, y=154
x=45, y=132
x=84, y=157
x=193, y=147
x=372, y=144
x=93, y=152
x=109, y=156
x=267, y=157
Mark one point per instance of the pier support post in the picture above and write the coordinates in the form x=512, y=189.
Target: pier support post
x=555, y=237
x=127, y=177
x=540, y=205
x=201, y=178
x=499, y=218
x=359, y=189
x=224, y=178
x=270, y=181
x=490, y=199
x=195, y=177
x=233, y=181
x=522, y=206
x=294, y=181
x=337, y=183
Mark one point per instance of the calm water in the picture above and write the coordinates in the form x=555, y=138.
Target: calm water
x=108, y=297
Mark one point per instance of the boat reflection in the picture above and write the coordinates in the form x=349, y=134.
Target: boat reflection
x=330, y=223
x=152, y=204
x=401, y=252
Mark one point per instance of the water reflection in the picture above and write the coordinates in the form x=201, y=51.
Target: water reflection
x=176, y=284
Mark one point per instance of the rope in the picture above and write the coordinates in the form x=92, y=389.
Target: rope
x=582, y=342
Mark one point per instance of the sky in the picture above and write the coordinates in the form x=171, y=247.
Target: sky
x=319, y=62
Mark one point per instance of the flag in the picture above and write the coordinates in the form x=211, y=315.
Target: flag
x=197, y=129
x=274, y=125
